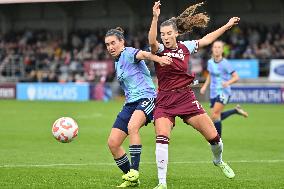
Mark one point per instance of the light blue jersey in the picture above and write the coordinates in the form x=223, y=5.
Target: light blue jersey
x=134, y=76
x=219, y=73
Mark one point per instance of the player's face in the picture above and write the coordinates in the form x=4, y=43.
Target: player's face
x=169, y=36
x=217, y=49
x=114, y=45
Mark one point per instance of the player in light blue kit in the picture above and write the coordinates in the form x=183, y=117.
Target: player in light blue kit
x=140, y=93
x=221, y=76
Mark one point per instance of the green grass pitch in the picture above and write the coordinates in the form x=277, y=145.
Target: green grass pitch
x=31, y=158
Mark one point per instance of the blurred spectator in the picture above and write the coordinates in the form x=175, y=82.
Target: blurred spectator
x=41, y=55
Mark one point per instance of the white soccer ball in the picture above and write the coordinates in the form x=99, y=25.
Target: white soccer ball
x=65, y=129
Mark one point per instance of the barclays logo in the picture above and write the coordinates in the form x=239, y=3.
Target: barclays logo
x=53, y=91
x=279, y=70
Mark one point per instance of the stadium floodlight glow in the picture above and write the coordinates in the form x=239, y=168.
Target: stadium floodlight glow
x=35, y=1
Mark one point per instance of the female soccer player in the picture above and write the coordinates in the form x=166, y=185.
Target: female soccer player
x=175, y=97
x=221, y=76
x=135, y=80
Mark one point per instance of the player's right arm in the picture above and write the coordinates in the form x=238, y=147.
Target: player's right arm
x=205, y=85
x=211, y=37
x=162, y=60
x=152, y=36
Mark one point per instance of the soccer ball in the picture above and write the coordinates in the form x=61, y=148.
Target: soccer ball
x=65, y=129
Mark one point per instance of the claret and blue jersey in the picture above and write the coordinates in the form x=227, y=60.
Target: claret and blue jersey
x=220, y=72
x=134, y=76
x=175, y=75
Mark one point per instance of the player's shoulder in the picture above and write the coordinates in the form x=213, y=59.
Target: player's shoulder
x=191, y=45
x=210, y=61
x=126, y=55
x=130, y=50
x=225, y=61
x=189, y=42
x=182, y=43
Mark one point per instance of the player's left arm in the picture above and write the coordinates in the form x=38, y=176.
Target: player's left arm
x=234, y=79
x=162, y=60
x=211, y=37
x=152, y=35
x=205, y=85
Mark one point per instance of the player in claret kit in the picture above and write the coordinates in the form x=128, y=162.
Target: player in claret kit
x=175, y=97
x=221, y=76
x=135, y=80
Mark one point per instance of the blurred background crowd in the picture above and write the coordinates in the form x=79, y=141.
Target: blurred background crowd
x=41, y=55
x=59, y=40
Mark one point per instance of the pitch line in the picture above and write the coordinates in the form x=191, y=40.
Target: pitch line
x=112, y=164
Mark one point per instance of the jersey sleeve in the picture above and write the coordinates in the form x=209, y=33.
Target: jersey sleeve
x=192, y=46
x=131, y=55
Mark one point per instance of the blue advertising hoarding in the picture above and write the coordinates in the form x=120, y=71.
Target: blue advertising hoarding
x=257, y=94
x=53, y=91
x=246, y=69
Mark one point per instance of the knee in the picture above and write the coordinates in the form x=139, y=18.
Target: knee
x=113, y=144
x=162, y=132
x=216, y=116
x=163, y=127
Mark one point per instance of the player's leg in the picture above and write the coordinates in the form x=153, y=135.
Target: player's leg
x=118, y=134
x=241, y=111
x=228, y=113
x=163, y=127
x=204, y=125
x=115, y=141
x=137, y=120
x=142, y=115
x=216, y=116
x=237, y=110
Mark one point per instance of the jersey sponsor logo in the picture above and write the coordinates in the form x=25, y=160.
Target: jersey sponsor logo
x=175, y=55
x=180, y=51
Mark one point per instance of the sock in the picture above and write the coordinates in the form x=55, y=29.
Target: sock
x=162, y=146
x=123, y=163
x=217, y=149
x=228, y=113
x=135, y=152
x=218, y=126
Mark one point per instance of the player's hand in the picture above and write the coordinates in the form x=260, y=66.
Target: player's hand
x=232, y=22
x=225, y=84
x=165, y=60
x=156, y=9
x=202, y=90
